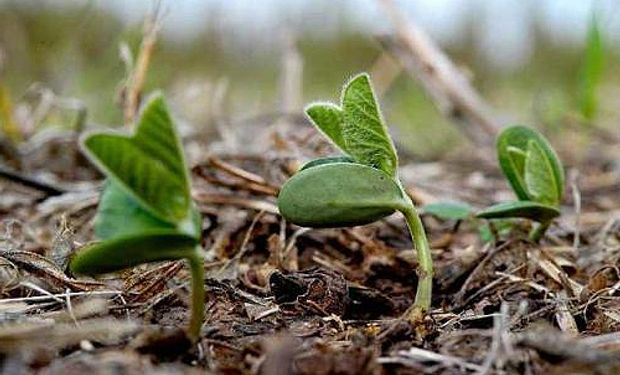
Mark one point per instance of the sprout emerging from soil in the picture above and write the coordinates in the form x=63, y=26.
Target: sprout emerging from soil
x=145, y=213
x=360, y=187
x=535, y=174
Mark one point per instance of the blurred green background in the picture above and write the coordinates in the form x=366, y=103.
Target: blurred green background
x=528, y=58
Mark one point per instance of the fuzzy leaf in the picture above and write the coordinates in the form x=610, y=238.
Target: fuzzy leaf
x=128, y=251
x=520, y=209
x=512, y=150
x=448, y=210
x=327, y=160
x=339, y=195
x=365, y=133
x=148, y=165
x=329, y=119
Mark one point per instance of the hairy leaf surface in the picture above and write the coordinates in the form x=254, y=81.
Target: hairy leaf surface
x=365, y=133
x=330, y=120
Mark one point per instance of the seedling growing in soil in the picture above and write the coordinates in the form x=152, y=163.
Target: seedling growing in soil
x=360, y=187
x=535, y=173
x=145, y=213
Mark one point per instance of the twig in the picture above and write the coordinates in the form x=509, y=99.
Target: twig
x=243, y=247
x=57, y=297
x=449, y=88
x=236, y=171
x=137, y=77
x=48, y=189
x=419, y=356
x=222, y=199
x=384, y=72
x=499, y=323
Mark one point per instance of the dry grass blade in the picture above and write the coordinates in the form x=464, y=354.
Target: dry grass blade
x=46, y=269
x=54, y=336
x=222, y=199
x=553, y=342
x=419, y=357
x=137, y=77
x=452, y=92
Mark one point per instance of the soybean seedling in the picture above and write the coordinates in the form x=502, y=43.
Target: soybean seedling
x=360, y=187
x=145, y=213
x=592, y=70
x=535, y=173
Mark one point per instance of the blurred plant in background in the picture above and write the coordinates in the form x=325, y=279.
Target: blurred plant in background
x=73, y=49
x=592, y=71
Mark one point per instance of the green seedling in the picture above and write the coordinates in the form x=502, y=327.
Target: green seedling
x=145, y=213
x=535, y=173
x=360, y=187
x=592, y=70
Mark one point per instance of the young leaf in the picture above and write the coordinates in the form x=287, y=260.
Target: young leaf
x=327, y=160
x=539, y=177
x=119, y=215
x=329, y=119
x=522, y=209
x=592, y=70
x=149, y=165
x=512, y=146
x=448, y=210
x=365, y=133
x=339, y=195
x=128, y=251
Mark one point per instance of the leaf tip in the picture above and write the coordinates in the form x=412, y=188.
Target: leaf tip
x=312, y=109
x=362, y=79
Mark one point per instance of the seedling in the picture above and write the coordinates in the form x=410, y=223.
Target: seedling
x=146, y=213
x=535, y=173
x=592, y=70
x=360, y=187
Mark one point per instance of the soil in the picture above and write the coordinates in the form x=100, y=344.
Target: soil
x=288, y=300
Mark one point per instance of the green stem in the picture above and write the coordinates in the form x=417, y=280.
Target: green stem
x=196, y=265
x=425, y=263
x=537, y=233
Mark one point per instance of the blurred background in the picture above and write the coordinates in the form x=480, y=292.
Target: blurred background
x=533, y=60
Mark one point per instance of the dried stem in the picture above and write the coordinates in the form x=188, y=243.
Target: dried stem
x=137, y=77
x=449, y=88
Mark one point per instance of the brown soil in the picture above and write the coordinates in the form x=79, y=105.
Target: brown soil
x=288, y=300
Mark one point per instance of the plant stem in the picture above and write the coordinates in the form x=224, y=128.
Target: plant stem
x=198, y=295
x=425, y=263
x=537, y=233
